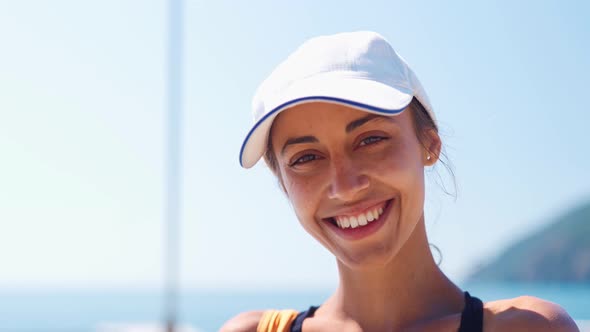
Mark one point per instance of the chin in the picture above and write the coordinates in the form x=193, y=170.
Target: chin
x=373, y=258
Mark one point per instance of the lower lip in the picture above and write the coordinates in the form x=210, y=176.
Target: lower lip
x=362, y=231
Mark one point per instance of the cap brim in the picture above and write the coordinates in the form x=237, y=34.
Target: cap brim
x=363, y=94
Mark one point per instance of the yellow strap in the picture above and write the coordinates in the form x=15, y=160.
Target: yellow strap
x=276, y=321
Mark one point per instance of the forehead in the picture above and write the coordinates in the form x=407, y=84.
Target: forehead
x=319, y=116
x=310, y=111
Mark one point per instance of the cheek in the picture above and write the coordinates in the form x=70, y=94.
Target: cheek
x=302, y=194
x=401, y=169
x=400, y=165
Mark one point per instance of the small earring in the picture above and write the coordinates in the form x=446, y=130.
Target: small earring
x=427, y=157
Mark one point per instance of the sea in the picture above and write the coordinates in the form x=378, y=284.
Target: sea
x=206, y=310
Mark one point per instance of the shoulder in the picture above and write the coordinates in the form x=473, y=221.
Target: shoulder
x=243, y=322
x=527, y=313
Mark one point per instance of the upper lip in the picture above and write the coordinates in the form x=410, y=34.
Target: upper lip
x=356, y=209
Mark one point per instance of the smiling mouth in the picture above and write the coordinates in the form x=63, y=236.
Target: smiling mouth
x=361, y=219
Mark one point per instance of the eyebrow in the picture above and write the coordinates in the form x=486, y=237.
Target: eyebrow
x=298, y=140
x=359, y=122
x=349, y=127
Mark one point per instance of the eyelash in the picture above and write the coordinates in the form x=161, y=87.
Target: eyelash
x=311, y=157
x=372, y=139
x=304, y=159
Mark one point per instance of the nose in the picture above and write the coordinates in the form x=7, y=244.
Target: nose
x=347, y=180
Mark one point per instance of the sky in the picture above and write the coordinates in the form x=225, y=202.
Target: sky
x=83, y=118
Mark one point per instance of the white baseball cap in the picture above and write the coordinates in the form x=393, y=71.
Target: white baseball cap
x=356, y=69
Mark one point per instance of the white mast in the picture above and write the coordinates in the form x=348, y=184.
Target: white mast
x=173, y=165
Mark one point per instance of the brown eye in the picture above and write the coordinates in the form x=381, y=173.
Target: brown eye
x=304, y=159
x=371, y=140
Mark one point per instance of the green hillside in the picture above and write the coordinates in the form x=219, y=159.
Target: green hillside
x=558, y=252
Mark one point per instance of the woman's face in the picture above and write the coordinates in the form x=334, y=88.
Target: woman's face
x=355, y=179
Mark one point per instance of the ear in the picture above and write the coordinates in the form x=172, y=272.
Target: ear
x=432, y=148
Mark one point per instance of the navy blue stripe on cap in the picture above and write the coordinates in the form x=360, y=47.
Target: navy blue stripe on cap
x=316, y=98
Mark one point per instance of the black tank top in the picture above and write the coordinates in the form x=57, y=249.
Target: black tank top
x=471, y=317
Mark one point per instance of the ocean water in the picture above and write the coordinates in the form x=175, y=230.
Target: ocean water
x=87, y=311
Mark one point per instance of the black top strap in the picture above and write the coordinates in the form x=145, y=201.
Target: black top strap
x=472, y=315
x=298, y=322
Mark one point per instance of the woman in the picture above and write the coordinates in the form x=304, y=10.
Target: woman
x=347, y=128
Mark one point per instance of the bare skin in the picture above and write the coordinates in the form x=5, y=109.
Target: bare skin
x=336, y=161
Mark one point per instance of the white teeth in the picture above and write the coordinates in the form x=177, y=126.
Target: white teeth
x=353, y=222
x=362, y=220
x=345, y=222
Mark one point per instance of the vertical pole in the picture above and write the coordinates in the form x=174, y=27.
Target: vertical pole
x=174, y=161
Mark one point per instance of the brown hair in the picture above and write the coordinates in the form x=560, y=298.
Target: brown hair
x=422, y=124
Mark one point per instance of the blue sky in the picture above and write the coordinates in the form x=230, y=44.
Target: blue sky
x=82, y=119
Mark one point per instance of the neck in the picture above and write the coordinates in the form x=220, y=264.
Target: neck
x=409, y=289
